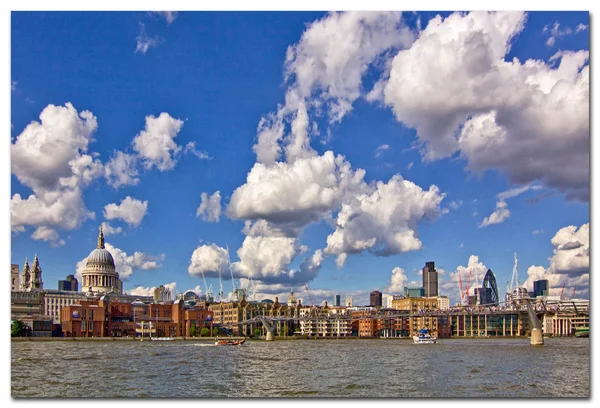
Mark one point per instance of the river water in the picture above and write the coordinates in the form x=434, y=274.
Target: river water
x=453, y=368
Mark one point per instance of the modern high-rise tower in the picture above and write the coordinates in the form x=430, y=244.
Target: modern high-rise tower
x=430, y=280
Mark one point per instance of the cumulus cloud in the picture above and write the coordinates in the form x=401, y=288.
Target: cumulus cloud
x=149, y=291
x=110, y=230
x=208, y=260
x=126, y=264
x=121, y=170
x=48, y=234
x=454, y=86
x=299, y=192
x=471, y=275
x=131, y=210
x=210, y=207
x=384, y=221
x=398, y=281
x=324, y=70
x=570, y=263
x=144, y=42
x=50, y=157
x=155, y=144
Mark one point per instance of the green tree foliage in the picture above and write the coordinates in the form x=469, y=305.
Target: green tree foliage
x=193, y=330
x=204, y=332
x=17, y=329
x=215, y=331
x=256, y=332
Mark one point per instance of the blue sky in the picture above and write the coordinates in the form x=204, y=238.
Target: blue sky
x=213, y=76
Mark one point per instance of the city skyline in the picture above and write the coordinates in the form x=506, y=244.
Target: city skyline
x=341, y=151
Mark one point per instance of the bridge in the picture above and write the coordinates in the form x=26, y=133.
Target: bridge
x=526, y=308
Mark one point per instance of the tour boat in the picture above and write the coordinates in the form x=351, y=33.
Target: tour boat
x=161, y=338
x=229, y=342
x=424, y=337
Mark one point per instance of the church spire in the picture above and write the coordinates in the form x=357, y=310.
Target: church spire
x=101, y=239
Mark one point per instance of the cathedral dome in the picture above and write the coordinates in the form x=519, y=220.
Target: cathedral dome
x=100, y=256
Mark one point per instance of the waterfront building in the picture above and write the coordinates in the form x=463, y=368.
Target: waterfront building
x=430, y=280
x=14, y=277
x=420, y=309
x=99, y=276
x=54, y=300
x=69, y=284
x=413, y=292
x=375, y=298
x=367, y=327
x=24, y=304
x=107, y=317
x=443, y=302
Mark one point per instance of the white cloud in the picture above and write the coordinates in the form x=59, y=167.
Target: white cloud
x=59, y=209
x=210, y=207
x=470, y=276
x=456, y=88
x=300, y=192
x=384, y=220
x=125, y=264
x=13, y=85
x=49, y=157
x=50, y=150
x=455, y=205
x=324, y=70
x=149, y=291
x=145, y=42
x=266, y=257
x=131, y=210
x=381, y=149
x=398, y=281
x=537, y=232
x=208, y=260
x=570, y=264
x=121, y=170
x=170, y=16
x=500, y=214
x=110, y=230
x=155, y=144
x=556, y=32
x=190, y=147
x=48, y=234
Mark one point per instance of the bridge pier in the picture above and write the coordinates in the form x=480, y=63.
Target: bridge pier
x=537, y=339
x=269, y=336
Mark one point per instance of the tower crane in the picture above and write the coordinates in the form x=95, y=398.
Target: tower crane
x=562, y=290
x=309, y=296
x=235, y=289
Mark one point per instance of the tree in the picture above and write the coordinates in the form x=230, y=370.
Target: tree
x=215, y=331
x=256, y=332
x=17, y=328
x=193, y=330
x=204, y=332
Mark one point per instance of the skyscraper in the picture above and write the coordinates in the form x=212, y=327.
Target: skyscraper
x=337, y=300
x=69, y=284
x=430, y=280
x=540, y=287
x=375, y=298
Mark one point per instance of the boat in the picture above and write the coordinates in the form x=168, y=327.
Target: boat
x=161, y=338
x=229, y=342
x=582, y=333
x=424, y=337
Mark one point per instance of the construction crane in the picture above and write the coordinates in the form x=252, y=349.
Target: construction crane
x=464, y=294
x=573, y=295
x=235, y=289
x=562, y=290
x=309, y=296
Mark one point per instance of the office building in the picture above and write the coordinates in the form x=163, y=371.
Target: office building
x=430, y=280
x=337, y=300
x=540, y=287
x=375, y=299
x=414, y=292
x=69, y=284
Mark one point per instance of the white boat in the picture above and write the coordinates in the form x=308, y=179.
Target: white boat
x=161, y=338
x=424, y=337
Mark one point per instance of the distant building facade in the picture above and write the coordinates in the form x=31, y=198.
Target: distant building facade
x=337, y=300
x=14, y=277
x=69, y=284
x=540, y=288
x=430, y=280
x=418, y=308
x=99, y=276
x=414, y=292
x=375, y=299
